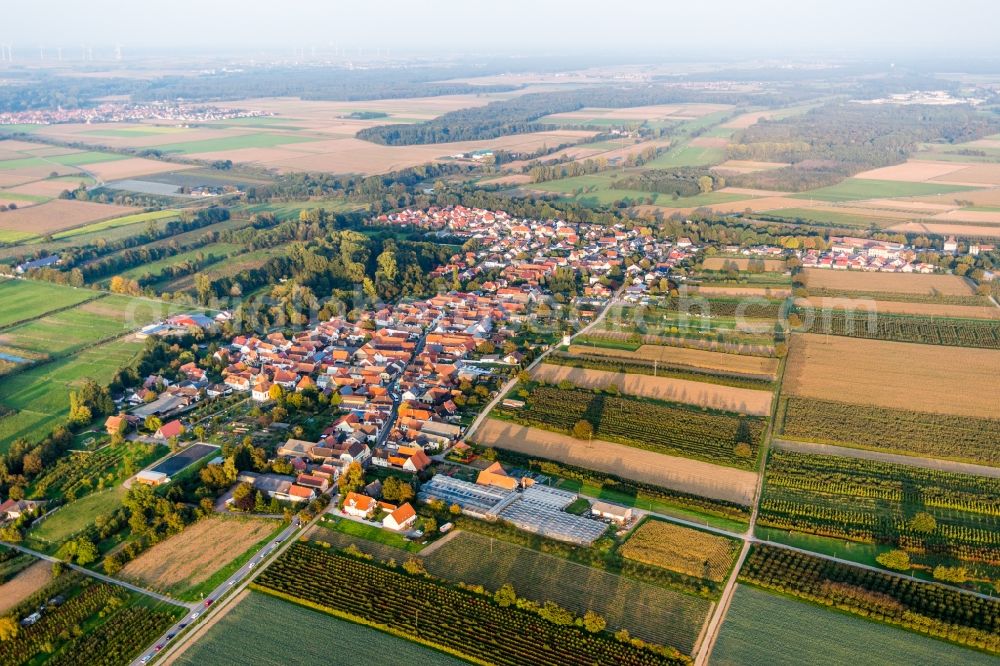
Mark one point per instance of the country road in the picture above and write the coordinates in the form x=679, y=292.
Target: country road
x=98, y=576
x=223, y=595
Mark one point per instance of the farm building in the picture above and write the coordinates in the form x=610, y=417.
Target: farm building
x=617, y=514
x=152, y=478
x=537, y=509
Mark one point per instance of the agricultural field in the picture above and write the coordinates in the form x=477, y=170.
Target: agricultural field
x=661, y=427
x=712, y=361
x=58, y=215
x=246, y=634
x=449, y=619
x=155, y=269
x=39, y=396
x=713, y=396
x=104, y=622
x=761, y=627
x=683, y=474
x=648, y=611
x=681, y=549
x=925, y=608
x=24, y=583
x=656, y=370
x=909, y=328
x=160, y=216
x=70, y=330
x=927, y=310
x=893, y=375
x=74, y=517
x=886, y=284
x=79, y=473
x=857, y=189
x=743, y=264
x=911, y=432
x=874, y=502
x=24, y=300
x=187, y=559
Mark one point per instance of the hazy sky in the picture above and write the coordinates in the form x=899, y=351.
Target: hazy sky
x=729, y=27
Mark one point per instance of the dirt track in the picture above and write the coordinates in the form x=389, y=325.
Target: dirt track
x=691, y=476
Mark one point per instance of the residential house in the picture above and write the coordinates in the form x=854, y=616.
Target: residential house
x=359, y=506
x=169, y=430
x=401, y=519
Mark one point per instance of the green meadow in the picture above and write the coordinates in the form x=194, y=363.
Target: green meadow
x=856, y=189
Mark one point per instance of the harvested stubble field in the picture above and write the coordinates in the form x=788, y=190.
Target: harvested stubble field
x=648, y=611
x=897, y=375
x=972, y=216
x=133, y=167
x=692, y=476
x=976, y=174
x=192, y=556
x=715, y=396
x=742, y=263
x=821, y=303
x=890, y=283
x=696, y=358
x=681, y=549
x=24, y=584
x=913, y=171
x=59, y=214
x=947, y=229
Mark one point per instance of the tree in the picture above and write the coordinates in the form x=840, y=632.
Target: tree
x=152, y=423
x=276, y=392
x=414, y=566
x=244, y=497
x=430, y=525
x=923, y=522
x=455, y=510
x=593, y=622
x=352, y=480
x=505, y=596
x=397, y=490
x=897, y=560
x=951, y=574
x=8, y=628
x=86, y=552
x=583, y=429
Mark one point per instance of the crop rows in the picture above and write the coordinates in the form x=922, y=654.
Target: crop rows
x=874, y=502
x=39, y=637
x=926, y=330
x=646, y=610
x=661, y=427
x=926, y=608
x=943, y=299
x=118, y=640
x=753, y=308
x=80, y=473
x=639, y=366
x=454, y=620
x=681, y=549
x=880, y=428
